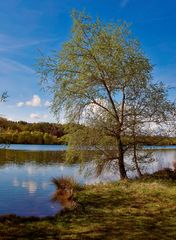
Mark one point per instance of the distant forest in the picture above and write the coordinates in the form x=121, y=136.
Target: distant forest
x=54, y=133
x=30, y=133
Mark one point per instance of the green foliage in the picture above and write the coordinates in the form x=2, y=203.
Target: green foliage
x=102, y=78
x=26, y=137
x=89, y=77
x=30, y=133
x=99, y=60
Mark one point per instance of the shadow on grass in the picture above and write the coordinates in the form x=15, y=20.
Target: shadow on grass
x=120, y=215
x=124, y=210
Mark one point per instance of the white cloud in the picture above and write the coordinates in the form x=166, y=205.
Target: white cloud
x=124, y=3
x=34, y=102
x=34, y=116
x=47, y=104
x=20, y=104
x=38, y=116
x=45, y=116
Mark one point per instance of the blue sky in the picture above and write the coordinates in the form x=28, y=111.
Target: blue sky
x=29, y=25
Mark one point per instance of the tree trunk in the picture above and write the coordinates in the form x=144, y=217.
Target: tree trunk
x=135, y=150
x=136, y=161
x=122, y=170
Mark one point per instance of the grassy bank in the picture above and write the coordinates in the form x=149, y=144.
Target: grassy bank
x=138, y=209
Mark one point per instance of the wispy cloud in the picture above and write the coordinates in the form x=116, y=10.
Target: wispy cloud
x=11, y=66
x=124, y=3
x=34, y=116
x=17, y=78
x=45, y=116
x=9, y=43
x=20, y=104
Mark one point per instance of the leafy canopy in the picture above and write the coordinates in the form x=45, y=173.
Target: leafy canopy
x=95, y=66
x=102, y=78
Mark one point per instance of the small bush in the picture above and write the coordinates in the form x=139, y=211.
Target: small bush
x=166, y=173
x=66, y=187
x=66, y=183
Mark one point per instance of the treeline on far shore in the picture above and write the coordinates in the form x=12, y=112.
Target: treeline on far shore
x=30, y=133
x=26, y=137
x=54, y=133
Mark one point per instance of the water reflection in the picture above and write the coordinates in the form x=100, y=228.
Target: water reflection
x=31, y=170
x=28, y=182
x=15, y=182
x=31, y=186
x=39, y=157
x=64, y=201
x=25, y=178
x=44, y=185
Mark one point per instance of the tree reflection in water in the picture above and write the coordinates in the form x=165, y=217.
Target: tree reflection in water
x=39, y=157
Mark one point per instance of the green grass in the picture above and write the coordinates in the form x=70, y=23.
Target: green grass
x=136, y=209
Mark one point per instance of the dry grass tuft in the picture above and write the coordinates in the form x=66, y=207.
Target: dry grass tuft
x=66, y=187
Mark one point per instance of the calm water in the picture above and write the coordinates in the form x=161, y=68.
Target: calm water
x=25, y=177
x=37, y=147
x=26, y=189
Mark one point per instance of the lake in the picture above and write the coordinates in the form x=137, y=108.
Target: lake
x=26, y=172
x=36, y=147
